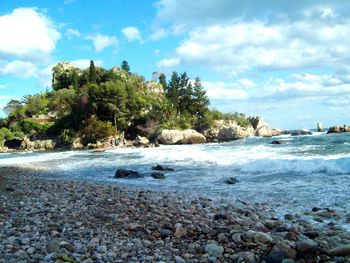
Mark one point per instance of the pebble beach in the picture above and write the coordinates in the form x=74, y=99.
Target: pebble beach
x=50, y=220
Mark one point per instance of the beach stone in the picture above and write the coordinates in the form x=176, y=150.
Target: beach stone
x=220, y=217
x=306, y=245
x=236, y=238
x=278, y=142
x=53, y=246
x=101, y=249
x=21, y=254
x=158, y=176
x=25, y=241
x=343, y=250
x=126, y=174
x=179, y=259
x=288, y=217
x=180, y=232
x=214, y=250
x=260, y=237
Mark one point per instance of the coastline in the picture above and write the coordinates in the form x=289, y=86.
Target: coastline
x=74, y=221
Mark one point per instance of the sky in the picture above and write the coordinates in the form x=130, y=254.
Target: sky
x=288, y=61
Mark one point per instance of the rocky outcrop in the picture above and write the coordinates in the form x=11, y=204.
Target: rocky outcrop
x=227, y=130
x=337, y=129
x=38, y=144
x=180, y=137
x=3, y=149
x=319, y=127
x=261, y=128
x=141, y=141
x=159, y=167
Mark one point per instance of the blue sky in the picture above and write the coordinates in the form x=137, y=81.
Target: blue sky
x=287, y=61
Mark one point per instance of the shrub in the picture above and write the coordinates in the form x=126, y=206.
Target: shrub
x=5, y=134
x=29, y=126
x=96, y=130
x=66, y=137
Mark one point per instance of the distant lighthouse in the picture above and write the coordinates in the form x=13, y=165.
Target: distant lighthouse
x=319, y=127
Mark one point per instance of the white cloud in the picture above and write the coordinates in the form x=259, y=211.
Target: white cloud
x=168, y=63
x=27, y=34
x=225, y=91
x=71, y=33
x=101, y=42
x=19, y=68
x=158, y=33
x=132, y=34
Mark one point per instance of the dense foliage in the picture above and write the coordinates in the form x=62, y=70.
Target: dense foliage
x=97, y=103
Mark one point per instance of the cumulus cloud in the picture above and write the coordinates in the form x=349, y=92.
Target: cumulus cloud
x=71, y=33
x=132, y=33
x=101, y=41
x=19, y=68
x=27, y=34
x=168, y=63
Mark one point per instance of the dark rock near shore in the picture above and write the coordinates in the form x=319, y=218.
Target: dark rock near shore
x=337, y=129
x=126, y=174
x=159, y=167
x=231, y=180
x=278, y=142
x=156, y=175
x=300, y=132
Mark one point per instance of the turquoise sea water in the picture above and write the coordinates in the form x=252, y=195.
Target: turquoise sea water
x=305, y=172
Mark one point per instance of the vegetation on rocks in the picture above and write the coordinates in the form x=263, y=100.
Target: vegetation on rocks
x=96, y=103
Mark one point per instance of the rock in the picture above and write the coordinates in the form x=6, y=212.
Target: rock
x=214, y=250
x=21, y=254
x=343, y=250
x=288, y=217
x=261, y=128
x=337, y=129
x=236, y=238
x=156, y=175
x=260, y=237
x=25, y=241
x=319, y=127
x=162, y=168
x=306, y=245
x=4, y=149
x=141, y=141
x=53, y=246
x=227, y=130
x=220, y=217
x=278, y=142
x=179, y=259
x=170, y=137
x=127, y=174
x=193, y=137
x=101, y=249
x=231, y=180
x=180, y=137
x=180, y=232
x=280, y=252
x=300, y=132
x=77, y=144
x=164, y=233
x=9, y=189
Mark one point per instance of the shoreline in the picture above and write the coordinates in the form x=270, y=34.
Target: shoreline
x=74, y=221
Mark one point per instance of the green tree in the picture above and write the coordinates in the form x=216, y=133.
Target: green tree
x=75, y=80
x=12, y=105
x=172, y=91
x=92, y=72
x=162, y=80
x=125, y=66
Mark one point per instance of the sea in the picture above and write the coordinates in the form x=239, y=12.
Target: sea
x=304, y=172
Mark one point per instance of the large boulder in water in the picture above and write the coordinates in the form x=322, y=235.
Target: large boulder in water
x=261, y=128
x=126, y=174
x=300, y=132
x=227, y=130
x=141, y=141
x=193, y=137
x=180, y=137
x=170, y=137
